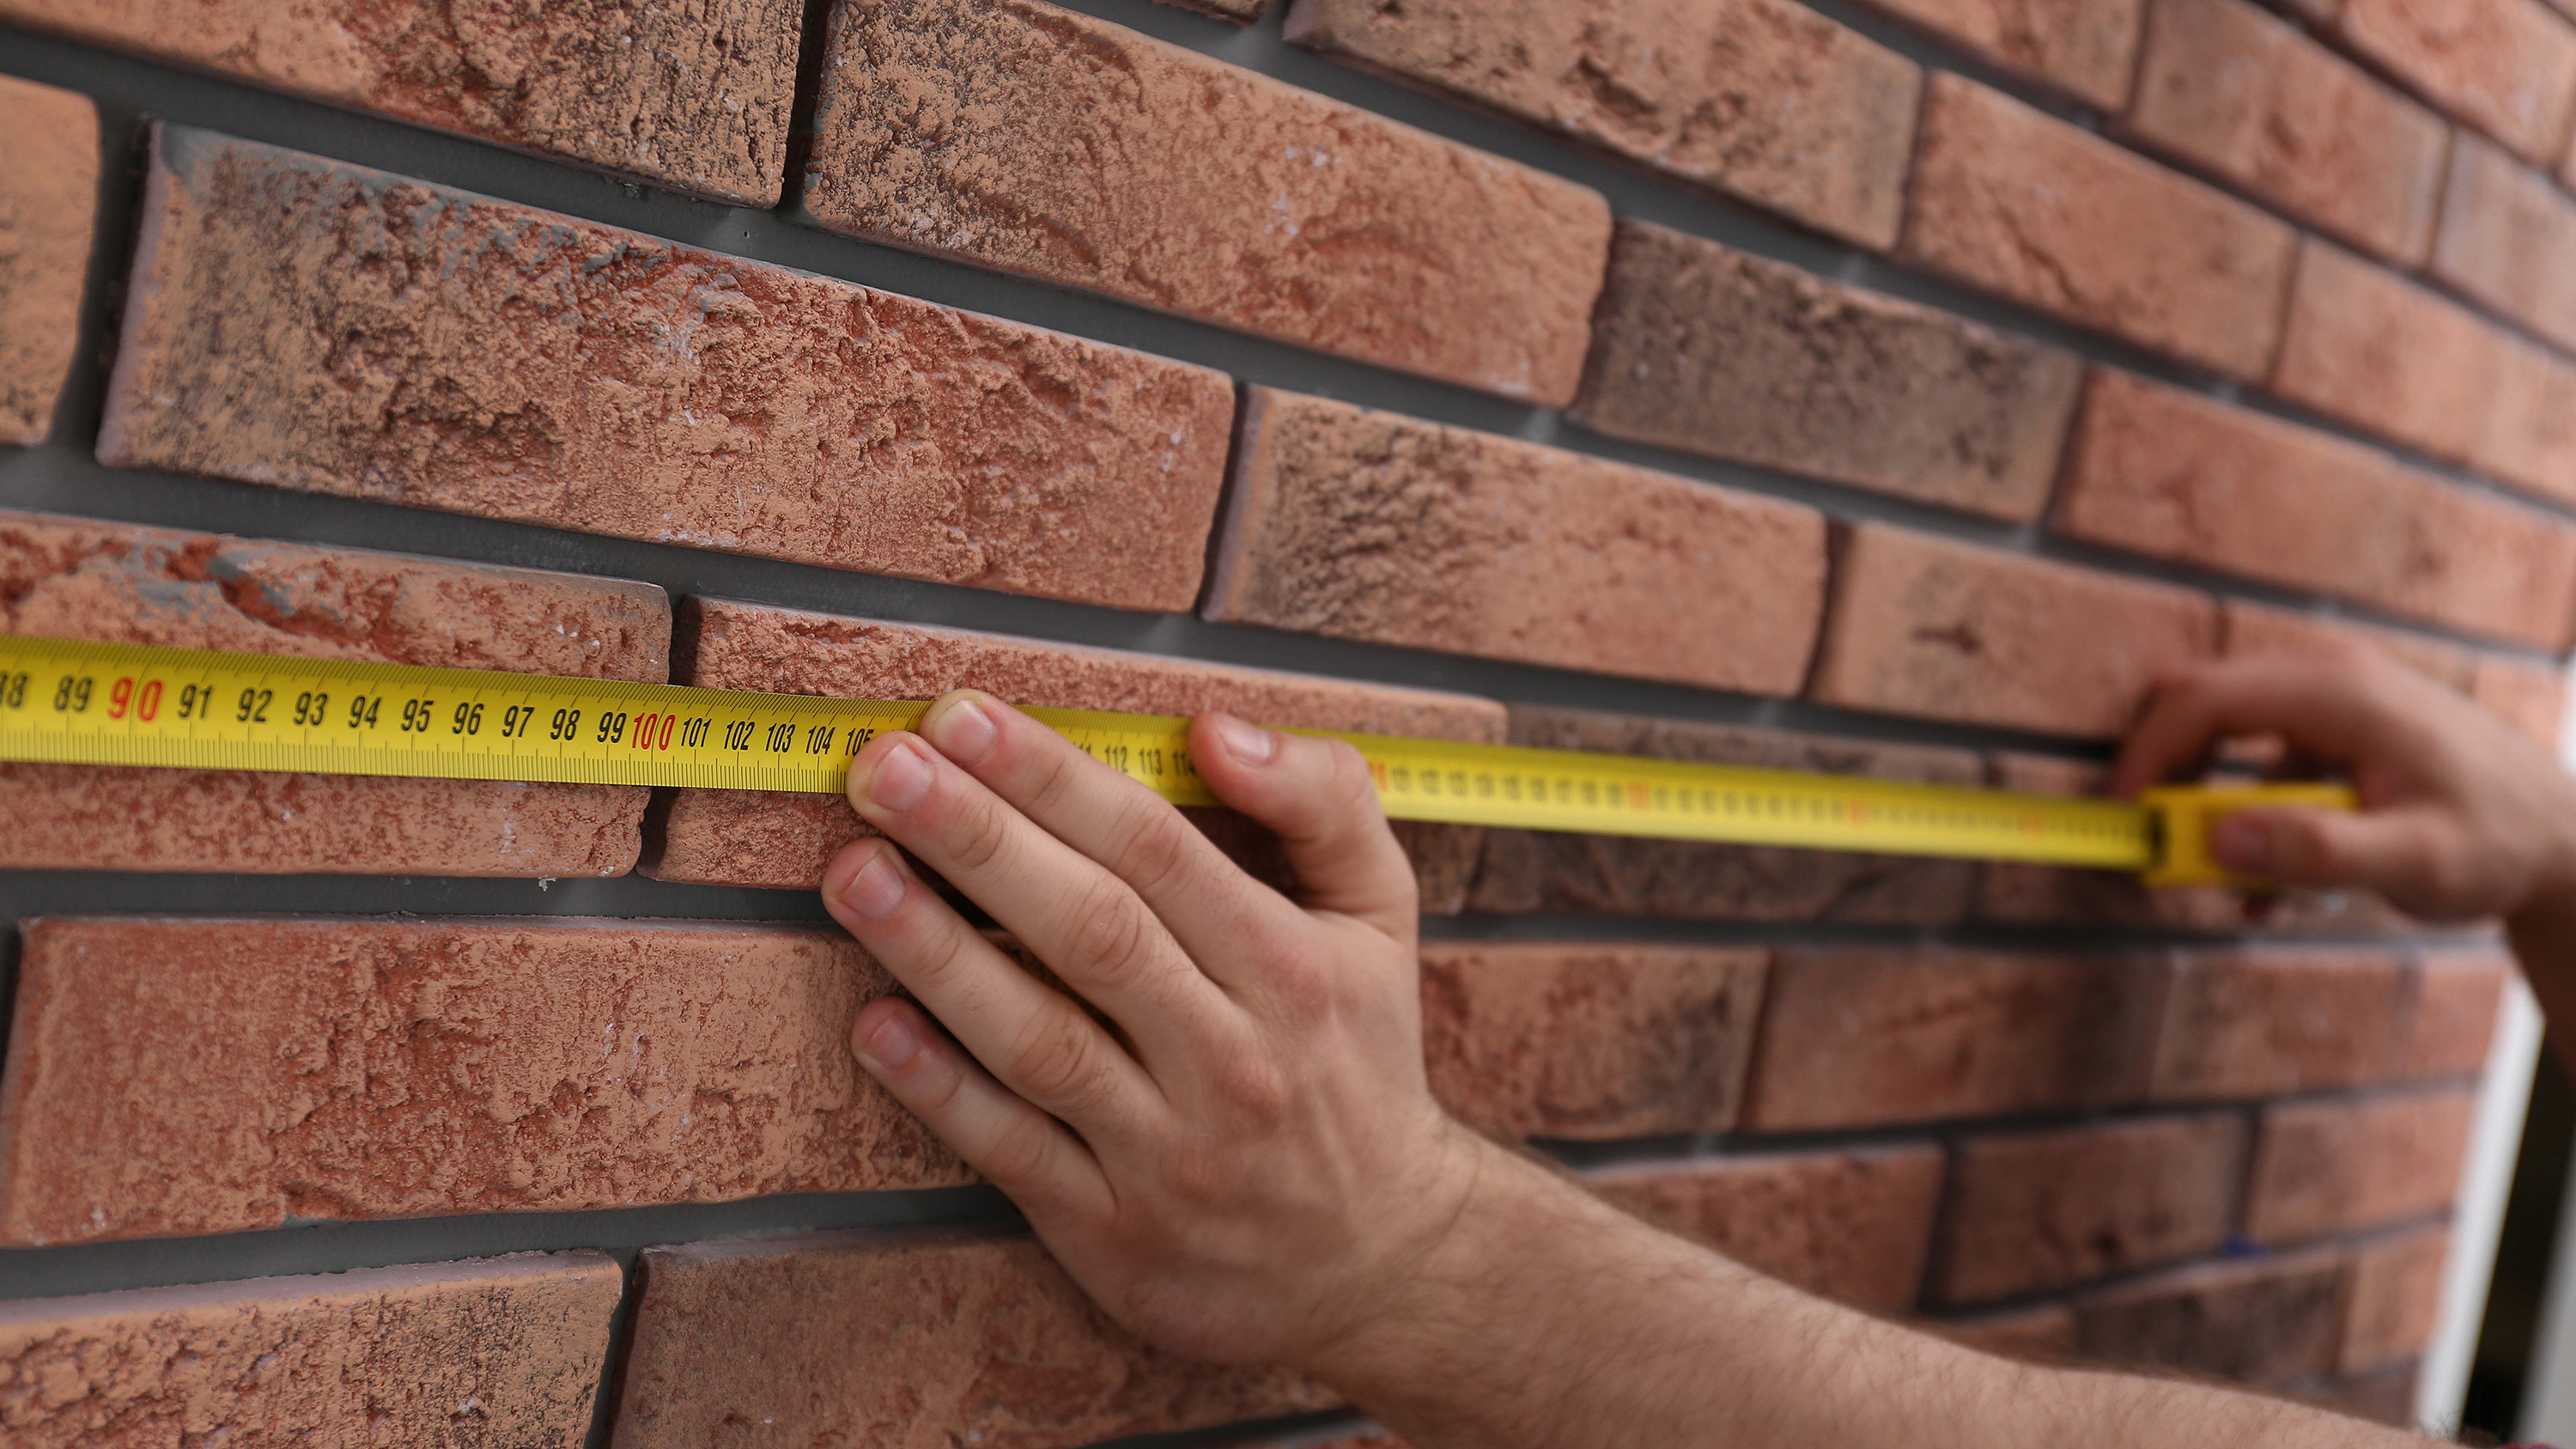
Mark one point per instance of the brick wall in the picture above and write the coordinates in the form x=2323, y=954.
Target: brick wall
x=1890, y=391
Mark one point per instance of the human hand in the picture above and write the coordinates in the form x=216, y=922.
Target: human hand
x=2461, y=817
x=1228, y=1139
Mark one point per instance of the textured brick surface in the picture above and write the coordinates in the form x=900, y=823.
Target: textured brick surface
x=915, y=1341
x=2033, y=1210
x=500, y=1353
x=2011, y=893
x=1852, y=1225
x=2044, y=1332
x=692, y=96
x=2261, y=1321
x=2228, y=89
x=2261, y=1023
x=2530, y=697
x=2507, y=232
x=2260, y=630
x=2325, y=1167
x=1589, y=1042
x=2387, y=356
x=2036, y=210
x=2507, y=67
x=1854, y=1037
x=758, y=838
x=2452, y=1000
x=1048, y=143
x=313, y=325
x=1704, y=348
x=2178, y=475
x=1369, y=525
x=1530, y=870
x=1926, y=626
x=69, y=578
x=2396, y=1296
x=1760, y=99
x=48, y=191
x=322, y=1067
x=2530, y=438
x=2083, y=47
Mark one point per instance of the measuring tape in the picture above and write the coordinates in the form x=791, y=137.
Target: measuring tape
x=71, y=702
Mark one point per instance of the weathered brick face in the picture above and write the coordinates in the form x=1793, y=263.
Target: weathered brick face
x=48, y=190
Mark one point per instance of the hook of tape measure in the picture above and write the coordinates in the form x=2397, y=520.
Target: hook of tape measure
x=2183, y=815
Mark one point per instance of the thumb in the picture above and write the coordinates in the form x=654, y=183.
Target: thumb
x=1317, y=797
x=2383, y=851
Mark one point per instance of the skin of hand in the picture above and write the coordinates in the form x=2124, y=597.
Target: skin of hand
x=1229, y=1142
x=2462, y=818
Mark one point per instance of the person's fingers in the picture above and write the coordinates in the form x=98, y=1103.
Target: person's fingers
x=1019, y=1149
x=1316, y=795
x=2324, y=707
x=2396, y=853
x=1088, y=926
x=1204, y=898
x=1032, y=1038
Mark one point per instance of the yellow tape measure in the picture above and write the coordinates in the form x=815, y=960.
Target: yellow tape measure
x=114, y=704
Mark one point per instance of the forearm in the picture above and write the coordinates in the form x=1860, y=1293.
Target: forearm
x=1552, y=1321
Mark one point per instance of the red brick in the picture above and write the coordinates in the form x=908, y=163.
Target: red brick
x=2531, y=697
x=1922, y=625
x=2506, y=67
x=1530, y=870
x=2178, y=475
x=66, y=578
x=1852, y=1224
x=759, y=838
x=692, y=96
x=492, y=1351
x=2383, y=354
x=913, y=1339
x=1044, y=142
x=2530, y=440
x=2033, y=1210
x=2042, y=1333
x=2335, y=1166
x=1857, y=1037
x=2452, y=1000
x=302, y=323
x=2086, y=48
x=2261, y=1321
x=2259, y=630
x=1706, y=349
x=48, y=193
x=2010, y=893
x=2031, y=208
x=2507, y=232
x=324, y=1067
x=1761, y=100
x=2255, y=1023
x=2232, y=91
x=1589, y=1043
x=2396, y=1297
x=1367, y=525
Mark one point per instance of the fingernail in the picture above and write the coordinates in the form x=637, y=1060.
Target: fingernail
x=902, y=777
x=963, y=732
x=874, y=889
x=2241, y=843
x=1249, y=743
x=888, y=1044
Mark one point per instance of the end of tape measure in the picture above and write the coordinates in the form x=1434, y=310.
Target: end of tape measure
x=2183, y=815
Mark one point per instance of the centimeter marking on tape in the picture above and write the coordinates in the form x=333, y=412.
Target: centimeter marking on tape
x=111, y=704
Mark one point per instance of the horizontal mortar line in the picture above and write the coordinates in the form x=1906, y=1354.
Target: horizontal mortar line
x=1292, y=1431
x=1968, y=936
x=335, y=1246
x=444, y=159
